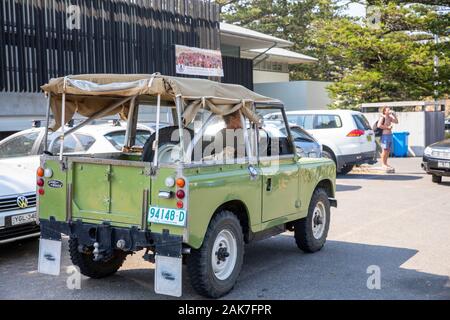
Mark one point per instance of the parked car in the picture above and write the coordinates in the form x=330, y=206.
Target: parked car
x=19, y=159
x=306, y=145
x=202, y=211
x=447, y=126
x=436, y=160
x=345, y=135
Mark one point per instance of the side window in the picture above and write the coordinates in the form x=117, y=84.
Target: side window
x=327, y=122
x=19, y=146
x=308, y=122
x=273, y=140
x=117, y=138
x=70, y=145
x=86, y=141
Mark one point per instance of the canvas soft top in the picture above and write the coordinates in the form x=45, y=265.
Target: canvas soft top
x=89, y=94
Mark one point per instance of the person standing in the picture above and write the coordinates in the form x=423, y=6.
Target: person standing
x=386, y=121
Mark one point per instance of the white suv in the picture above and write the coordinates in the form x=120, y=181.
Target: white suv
x=346, y=136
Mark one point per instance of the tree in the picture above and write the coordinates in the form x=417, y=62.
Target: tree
x=391, y=59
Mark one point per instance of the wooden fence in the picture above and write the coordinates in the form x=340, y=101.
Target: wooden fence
x=41, y=39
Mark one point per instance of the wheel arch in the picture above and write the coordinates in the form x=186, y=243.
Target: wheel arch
x=328, y=186
x=238, y=208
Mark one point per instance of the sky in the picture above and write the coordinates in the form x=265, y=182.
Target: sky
x=356, y=10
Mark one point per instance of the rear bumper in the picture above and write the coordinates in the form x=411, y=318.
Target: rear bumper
x=430, y=165
x=358, y=158
x=111, y=238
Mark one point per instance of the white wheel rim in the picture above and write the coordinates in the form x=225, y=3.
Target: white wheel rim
x=224, y=254
x=319, y=220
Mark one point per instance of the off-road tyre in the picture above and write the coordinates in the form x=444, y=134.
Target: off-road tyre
x=200, y=264
x=436, y=179
x=303, y=228
x=346, y=169
x=95, y=269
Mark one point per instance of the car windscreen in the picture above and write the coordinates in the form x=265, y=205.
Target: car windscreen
x=361, y=122
x=117, y=138
x=75, y=142
x=19, y=146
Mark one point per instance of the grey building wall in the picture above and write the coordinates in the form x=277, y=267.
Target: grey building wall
x=18, y=110
x=297, y=95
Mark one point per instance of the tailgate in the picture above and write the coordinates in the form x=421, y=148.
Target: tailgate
x=109, y=192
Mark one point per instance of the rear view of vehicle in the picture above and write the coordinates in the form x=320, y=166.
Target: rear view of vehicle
x=346, y=136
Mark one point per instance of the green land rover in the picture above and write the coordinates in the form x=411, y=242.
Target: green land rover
x=195, y=194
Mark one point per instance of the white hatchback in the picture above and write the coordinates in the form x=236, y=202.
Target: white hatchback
x=346, y=136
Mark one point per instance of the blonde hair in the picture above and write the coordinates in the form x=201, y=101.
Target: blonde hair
x=383, y=110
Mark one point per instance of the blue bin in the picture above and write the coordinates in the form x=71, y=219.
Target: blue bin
x=400, y=145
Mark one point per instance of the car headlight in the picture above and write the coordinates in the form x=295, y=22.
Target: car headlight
x=428, y=151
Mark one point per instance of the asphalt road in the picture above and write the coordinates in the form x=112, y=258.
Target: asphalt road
x=399, y=223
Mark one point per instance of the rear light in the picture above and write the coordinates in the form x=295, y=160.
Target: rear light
x=356, y=133
x=180, y=182
x=41, y=191
x=40, y=182
x=179, y=204
x=180, y=194
x=170, y=182
x=40, y=172
x=48, y=173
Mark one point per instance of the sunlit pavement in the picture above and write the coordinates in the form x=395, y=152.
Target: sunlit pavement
x=395, y=226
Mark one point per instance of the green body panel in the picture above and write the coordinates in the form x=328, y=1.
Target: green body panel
x=280, y=188
x=114, y=193
x=210, y=187
x=53, y=203
x=105, y=192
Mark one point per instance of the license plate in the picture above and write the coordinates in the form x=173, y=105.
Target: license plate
x=176, y=217
x=444, y=164
x=369, y=138
x=23, y=218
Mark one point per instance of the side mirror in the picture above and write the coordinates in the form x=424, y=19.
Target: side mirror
x=300, y=152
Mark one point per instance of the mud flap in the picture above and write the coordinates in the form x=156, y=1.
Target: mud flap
x=49, y=256
x=168, y=265
x=49, y=251
x=168, y=276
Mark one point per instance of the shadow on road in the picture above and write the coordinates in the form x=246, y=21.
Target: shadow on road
x=387, y=177
x=344, y=187
x=273, y=269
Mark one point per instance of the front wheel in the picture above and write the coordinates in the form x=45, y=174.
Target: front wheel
x=214, y=268
x=436, y=179
x=311, y=232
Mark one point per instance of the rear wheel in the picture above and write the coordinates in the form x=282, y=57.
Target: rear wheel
x=436, y=179
x=95, y=269
x=311, y=232
x=346, y=169
x=214, y=268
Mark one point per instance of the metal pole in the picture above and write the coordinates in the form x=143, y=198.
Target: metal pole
x=47, y=117
x=436, y=74
x=178, y=103
x=156, y=142
x=63, y=116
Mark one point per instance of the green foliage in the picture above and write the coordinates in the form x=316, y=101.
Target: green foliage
x=386, y=61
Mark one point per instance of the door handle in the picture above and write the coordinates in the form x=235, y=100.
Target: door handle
x=269, y=184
